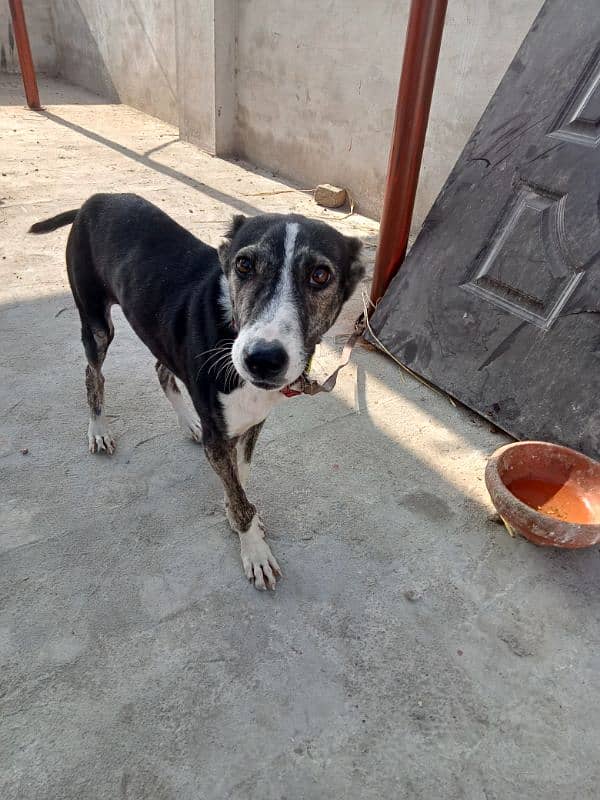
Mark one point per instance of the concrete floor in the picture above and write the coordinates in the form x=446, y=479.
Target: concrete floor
x=413, y=650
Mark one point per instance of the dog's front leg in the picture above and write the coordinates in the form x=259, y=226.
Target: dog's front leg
x=245, y=448
x=259, y=563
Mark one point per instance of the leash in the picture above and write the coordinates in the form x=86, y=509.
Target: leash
x=306, y=385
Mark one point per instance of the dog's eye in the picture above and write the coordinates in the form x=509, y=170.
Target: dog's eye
x=320, y=276
x=243, y=266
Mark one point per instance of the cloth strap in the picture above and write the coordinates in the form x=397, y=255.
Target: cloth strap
x=306, y=385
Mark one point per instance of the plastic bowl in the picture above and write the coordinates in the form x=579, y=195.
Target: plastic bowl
x=548, y=493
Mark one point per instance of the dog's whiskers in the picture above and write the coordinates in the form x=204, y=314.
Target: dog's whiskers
x=230, y=376
x=221, y=346
x=215, y=355
x=224, y=358
x=225, y=363
x=217, y=351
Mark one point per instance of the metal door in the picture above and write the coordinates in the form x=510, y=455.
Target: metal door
x=498, y=301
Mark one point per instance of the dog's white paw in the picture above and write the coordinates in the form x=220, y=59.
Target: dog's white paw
x=100, y=439
x=260, y=565
x=191, y=425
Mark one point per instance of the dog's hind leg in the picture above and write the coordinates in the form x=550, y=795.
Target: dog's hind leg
x=188, y=419
x=97, y=331
x=96, y=337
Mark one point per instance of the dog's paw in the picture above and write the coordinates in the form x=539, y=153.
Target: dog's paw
x=100, y=439
x=260, y=565
x=192, y=426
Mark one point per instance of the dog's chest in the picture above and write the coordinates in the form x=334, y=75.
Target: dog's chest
x=247, y=406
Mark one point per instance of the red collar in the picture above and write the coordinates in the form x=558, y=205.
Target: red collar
x=289, y=392
x=300, y=382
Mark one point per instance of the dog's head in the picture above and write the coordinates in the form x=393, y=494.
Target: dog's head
x=288, y=278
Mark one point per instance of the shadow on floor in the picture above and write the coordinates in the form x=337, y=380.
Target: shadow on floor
x=144, y=159
x=134, y=653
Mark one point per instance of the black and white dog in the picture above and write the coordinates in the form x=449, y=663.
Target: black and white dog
x=235, y=325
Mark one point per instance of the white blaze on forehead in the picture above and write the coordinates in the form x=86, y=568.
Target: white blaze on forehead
x=291, y=232
x=281, y=315
x=279, y=320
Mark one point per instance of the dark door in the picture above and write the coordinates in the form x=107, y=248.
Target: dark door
x=498, y=301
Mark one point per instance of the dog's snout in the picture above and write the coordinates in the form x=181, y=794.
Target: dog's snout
x=266, y=360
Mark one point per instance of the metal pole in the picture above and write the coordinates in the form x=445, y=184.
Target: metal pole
x=421, y=51
x=24, y=51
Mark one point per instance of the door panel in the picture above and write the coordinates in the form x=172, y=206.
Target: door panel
x=498, y=301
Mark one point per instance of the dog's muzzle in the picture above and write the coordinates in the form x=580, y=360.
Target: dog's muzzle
x=266, y=362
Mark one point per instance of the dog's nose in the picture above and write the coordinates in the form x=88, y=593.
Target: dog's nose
x=266, y=360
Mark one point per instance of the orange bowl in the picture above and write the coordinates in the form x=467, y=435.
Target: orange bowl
x=548, y=493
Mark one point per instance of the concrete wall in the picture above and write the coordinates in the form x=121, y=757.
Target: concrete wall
x=305, y=89
x=41, y=37
x=206, y=52
x=317, y=86
x=122, y=49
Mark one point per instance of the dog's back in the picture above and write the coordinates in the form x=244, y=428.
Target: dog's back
x=124, y=250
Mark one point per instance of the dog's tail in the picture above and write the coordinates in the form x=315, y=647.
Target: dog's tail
x=47, y=225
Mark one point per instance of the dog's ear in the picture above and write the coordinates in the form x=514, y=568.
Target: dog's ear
x=356, y=269
x=223, y=249
x=236, y=223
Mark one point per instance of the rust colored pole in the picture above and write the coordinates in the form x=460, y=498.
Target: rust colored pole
x=421, y=51
x=24, y=51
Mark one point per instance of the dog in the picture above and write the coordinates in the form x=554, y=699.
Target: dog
x=235, y=325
